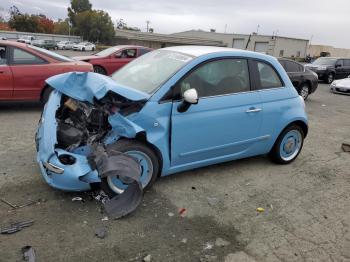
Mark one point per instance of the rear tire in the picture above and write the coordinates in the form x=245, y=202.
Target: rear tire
x=147, y=159
x=100, y=70
x=330, y=78
x=83, y=49
x=304, y=91
x=288, y=145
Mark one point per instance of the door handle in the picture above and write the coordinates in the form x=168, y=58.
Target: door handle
x=253, y=110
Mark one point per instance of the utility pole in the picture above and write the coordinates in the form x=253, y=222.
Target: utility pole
x=257, y=29
x=225, y=28
x=148, y=22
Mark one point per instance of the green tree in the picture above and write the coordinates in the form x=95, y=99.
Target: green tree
x=95, y=26
x=77, y=6
x=61, y=27
x=24, y=23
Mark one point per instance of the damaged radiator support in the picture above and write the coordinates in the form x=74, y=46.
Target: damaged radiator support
x=120, y=165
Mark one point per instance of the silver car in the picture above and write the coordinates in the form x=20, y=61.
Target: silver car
x=341, y=86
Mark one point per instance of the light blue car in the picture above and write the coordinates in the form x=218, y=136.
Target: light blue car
x=173, y=109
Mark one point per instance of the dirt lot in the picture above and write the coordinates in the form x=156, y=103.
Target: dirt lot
x=307, y=203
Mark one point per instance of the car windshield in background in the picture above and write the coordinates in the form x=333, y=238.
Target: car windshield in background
x=151, y=70
x=325, y=61
x=51, y=54
x=108, y=51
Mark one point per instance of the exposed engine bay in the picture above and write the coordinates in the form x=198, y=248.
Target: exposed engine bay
x=81, y=123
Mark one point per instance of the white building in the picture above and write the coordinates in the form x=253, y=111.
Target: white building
x=277, y=46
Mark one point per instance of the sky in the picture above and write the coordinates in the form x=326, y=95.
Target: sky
x=321, y=21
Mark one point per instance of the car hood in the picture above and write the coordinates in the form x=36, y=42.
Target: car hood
x=343, y=82
x=87, y=57
x=87, y=86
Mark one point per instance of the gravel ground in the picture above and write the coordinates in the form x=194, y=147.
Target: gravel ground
x=306, y=218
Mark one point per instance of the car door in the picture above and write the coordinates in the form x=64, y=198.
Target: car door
x=119, y=59
x=6, y=78
x=225, y=122
x=346, y=67
x=29, y=72
x=339, y=69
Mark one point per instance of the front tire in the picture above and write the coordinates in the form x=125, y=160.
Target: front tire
x=45, y=95
x=288, y=145
x=144, y=155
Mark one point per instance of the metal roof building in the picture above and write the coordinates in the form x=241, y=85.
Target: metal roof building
x=161, y=40
x=278, y=46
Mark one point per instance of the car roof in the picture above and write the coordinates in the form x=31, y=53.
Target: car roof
x=197, y=51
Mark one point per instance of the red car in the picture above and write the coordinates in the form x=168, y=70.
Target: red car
x=24, y=69
x=111, y=59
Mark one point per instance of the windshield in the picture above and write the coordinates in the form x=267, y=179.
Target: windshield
x=151, y=70
x=51, y=54
x=108, y=51
x=325, y=61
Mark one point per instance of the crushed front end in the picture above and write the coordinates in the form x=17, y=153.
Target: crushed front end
x=71, y=128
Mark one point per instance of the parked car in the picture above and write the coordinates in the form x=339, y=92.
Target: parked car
x=26, y=39
x=65, y=45
x=341, y=86
x=172, y=110
x=304, y=80
x=24, y=68
x=84, y=46
x=111, y=59
x=47, y=44
x=330, y=68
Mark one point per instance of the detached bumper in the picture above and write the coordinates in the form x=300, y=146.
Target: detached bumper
x=73, y=177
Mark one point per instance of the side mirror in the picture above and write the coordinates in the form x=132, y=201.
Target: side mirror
x=190, y=97
x=337, y=65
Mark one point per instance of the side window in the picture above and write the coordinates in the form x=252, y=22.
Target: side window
x=347, y=62
x=3, y=59
x=21, y=57
x=128, y=53
x=143, y=51
x=293, y=67
x=268, y=76
x=339, y=62
x=219, y=77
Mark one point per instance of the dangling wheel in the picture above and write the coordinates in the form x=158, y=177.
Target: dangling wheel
x=147, y=159
x=288, y=145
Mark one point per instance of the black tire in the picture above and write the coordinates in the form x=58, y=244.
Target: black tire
x=45, y=95
x=330, y=78
x=100, y=70
x=304, y=91
x=275, y=154
x=93, y=49
x=126, y=145
x=83, y=49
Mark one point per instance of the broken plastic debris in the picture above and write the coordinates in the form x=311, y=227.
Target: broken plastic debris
x=105, y=219
x=184, y=240
x=121, y=165
x=260, y=209
x=219, y=242
x=182, y=212
x=101, y=232
x=147, y=258
x=345, y=147
x=77, y=199
x=170, y=214
x=208, y=246
x=28, y=253
x=15, y=227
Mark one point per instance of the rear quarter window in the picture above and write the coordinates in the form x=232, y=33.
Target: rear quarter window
x=267, y=76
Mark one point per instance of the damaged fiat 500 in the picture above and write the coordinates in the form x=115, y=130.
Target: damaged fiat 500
x=171, y=110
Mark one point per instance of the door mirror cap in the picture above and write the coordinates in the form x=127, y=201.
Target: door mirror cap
x=191, y=96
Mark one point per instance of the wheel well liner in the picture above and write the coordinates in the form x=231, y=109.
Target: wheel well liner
x=301, y=124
